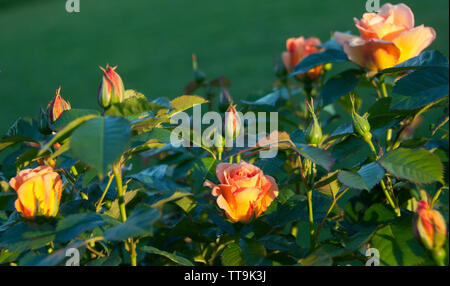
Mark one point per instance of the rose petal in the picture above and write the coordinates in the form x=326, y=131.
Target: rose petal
x=372, y=54
x=398, y=14
x=412, y=42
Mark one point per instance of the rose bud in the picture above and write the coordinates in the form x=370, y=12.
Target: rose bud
x=111, y=89
x=232, y=123
x=297, y=50
x=244, y=191
x=199, y=76
x=313, y=134
x=38, y=190
x=224, y=100
x=361, y=125
x=429, y=226
x=57, y=106
x=387, y=38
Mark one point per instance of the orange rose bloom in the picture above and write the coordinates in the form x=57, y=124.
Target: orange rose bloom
x=387, y=38
x=244, y=191
x=297, y=49
x=38, y=190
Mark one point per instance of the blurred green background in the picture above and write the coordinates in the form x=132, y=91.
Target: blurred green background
x=42, y=46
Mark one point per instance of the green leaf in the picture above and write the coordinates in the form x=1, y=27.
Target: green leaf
x=71, y=115
x=200, y=171
x=65, y=132
x=24, y=236
x=101, y=141
x=350, y=153
x=138, y=224
x=320, y=257
x=422, y=87
x=25, y=127
x=105, y=261
x=132, y=107
x=74, y=225
x=114, y=211
x=397, y=245
x=252, y=251
x=319, y=156
x=172, y=256
x=372, y=174
x=13, y=140
x=340, y=85
x=317, y=59
x=232, y=255
x=418, y=165
x=432, y=58
x=155, y=178
x=184, y=102
x=352, y=180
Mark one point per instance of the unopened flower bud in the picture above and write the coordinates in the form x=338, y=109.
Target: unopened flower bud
x=56, y=107
x=429, y=226
x=199, y=76
x=111, y=89
x=224, y=100
x=361, y=125
x=313, y=134
x=232, y=123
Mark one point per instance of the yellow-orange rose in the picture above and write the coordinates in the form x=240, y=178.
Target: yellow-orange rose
x=244, y=191
x=387, y=38
x=38, y=191
x=297, y=49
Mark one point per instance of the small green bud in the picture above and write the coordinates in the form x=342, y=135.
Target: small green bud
x=313, y=134
x=327, y=66
x=361, y=125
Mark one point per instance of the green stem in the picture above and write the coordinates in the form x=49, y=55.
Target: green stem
x=311, y=218
x=383, y=185
x=385, y=95
x=436, y=197
x=117, y=170
x=328, y=212
x=99, y=203
x=388, y=196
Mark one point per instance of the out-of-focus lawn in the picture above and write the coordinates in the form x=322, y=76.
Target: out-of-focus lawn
x=42, y=46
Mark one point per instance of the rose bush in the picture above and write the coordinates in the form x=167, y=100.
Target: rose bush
x=360, y=164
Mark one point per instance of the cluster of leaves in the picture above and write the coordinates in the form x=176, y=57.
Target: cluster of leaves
x=174, y=220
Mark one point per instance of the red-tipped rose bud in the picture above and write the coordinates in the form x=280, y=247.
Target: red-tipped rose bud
x=111, y=89
x=429, y=226
x=57, y=106
x=232, y=123
x=224, y=100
